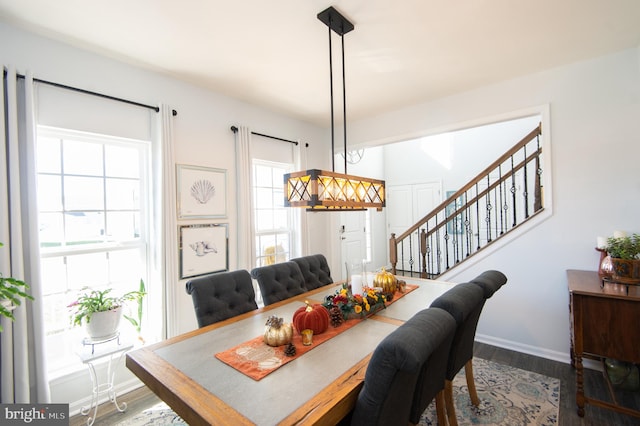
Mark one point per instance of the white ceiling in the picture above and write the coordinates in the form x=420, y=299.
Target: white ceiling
x=274, y=53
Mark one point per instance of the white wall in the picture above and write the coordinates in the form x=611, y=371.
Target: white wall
x=594, y=131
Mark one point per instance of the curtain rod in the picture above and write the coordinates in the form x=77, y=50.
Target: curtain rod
x=100, y=95
x=234, y=129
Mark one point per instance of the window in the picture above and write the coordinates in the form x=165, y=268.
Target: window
x=93, y=226
x=274, y=228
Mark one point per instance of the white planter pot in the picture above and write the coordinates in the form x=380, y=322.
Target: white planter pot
x=104, y=325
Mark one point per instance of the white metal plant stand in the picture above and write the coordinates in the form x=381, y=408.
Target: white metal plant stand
x=92, y=352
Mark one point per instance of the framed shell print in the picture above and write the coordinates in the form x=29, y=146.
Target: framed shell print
x=203, y=249
x=202, y=192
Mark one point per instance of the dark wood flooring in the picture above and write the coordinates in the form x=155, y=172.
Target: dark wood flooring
x=595, y=386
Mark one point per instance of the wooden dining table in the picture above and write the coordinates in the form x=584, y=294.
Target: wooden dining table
x=319, y=387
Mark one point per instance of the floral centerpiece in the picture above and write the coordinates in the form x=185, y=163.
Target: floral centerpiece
x=355, y=305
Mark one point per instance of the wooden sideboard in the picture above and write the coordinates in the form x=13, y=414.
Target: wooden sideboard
x=605, y=323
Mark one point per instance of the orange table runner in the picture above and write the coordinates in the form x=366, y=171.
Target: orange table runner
x=256, y=359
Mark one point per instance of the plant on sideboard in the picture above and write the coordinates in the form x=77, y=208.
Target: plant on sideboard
x=11, y=291
x=625, y=257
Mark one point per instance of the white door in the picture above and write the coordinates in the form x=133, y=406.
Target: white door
x=406, y=204
x=353, y=241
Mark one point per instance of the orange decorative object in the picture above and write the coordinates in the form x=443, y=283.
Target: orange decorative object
x=386, y=280
x=314, y=317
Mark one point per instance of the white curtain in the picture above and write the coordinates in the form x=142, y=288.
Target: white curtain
x=23, y=371
x=246, y=244
x=168, y=224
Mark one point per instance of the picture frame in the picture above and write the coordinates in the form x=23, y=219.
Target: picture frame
x=203, y=249
x=202, y=192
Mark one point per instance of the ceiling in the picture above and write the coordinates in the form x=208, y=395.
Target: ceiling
x=274, y=53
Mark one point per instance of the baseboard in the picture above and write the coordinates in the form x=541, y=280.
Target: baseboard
x=527, y=349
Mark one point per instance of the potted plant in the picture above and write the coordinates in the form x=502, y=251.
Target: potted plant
x=101, y=312
x=625, y=257
x=11, y=291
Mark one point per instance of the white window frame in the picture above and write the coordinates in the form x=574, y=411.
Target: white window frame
x=71, y=337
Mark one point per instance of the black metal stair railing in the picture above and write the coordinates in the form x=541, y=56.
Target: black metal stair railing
x=499, y=199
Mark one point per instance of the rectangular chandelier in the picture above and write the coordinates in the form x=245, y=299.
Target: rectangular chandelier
x=322, y=190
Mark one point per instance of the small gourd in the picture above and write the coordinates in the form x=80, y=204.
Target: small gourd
x=387, y=281
x=314, y=317
x=276, y=332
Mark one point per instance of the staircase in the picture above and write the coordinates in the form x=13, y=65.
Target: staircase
x=499, y=199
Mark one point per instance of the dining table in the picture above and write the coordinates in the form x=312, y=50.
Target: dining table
x=319, y=387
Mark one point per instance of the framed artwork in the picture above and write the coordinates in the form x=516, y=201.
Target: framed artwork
x=202, y=192
x=203, y=249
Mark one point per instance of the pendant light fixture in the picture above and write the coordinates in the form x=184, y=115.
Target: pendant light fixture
x=321, y=190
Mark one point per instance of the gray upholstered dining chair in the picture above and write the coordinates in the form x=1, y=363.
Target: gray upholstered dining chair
x=464, y=302
x=406, y=371
x=490, y=281
x=315, y=270
x=279, y=281
x=222, y=295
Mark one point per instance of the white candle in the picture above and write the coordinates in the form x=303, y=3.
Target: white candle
x=602, y=242
x=619, y=234
x=356, y=284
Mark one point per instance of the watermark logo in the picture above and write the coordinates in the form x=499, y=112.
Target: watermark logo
x=36, y=414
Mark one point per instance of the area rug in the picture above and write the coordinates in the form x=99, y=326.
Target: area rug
x=508, y=396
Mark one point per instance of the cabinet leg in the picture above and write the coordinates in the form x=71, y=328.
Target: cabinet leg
x=579, y=386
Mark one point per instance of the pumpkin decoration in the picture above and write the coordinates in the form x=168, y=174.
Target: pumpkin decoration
x=276, y=333
x=387, y=281
x=314, y=317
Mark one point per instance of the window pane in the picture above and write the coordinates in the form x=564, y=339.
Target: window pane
x=50, y=192
x=87, y=270
x=264, y=198
x=262, y=175
x=51, y=229
x=83, y=193
x=123, y=226
x=48, y=155
x=122, y=194
x=124, y=267
x=82, y=158
x=278, y=197
x=121, y=161
x=264, y=220
x=280, y=219
x=55, y=271
x=84, y=228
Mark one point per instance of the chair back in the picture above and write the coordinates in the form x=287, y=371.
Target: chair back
x=464, y=302
x=315, y=270
x=490, y=281
x=279, y=281
x=399, y=366
x=222, y=295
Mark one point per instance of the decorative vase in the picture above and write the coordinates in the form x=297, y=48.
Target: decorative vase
x=625, y=270
x=104, y=325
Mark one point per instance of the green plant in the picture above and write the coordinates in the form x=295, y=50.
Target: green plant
x=11, y=290
x=91, y=301
x=624, y=247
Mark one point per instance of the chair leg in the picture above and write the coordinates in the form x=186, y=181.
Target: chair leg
x=440, y=409
x=448, y=398
x=473, y=394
